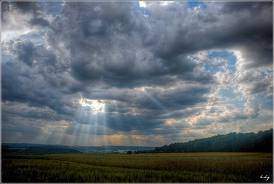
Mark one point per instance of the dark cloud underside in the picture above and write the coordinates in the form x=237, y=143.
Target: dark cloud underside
x=148, y=67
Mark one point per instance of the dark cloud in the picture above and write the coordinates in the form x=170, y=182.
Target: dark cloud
x=25, y=52
x=33, y=9
x=236, y=7
x=101, y=50
x=130, y=122
x=39, y=21
x=18, y=129
x=139, y=64
x=248, y=31
x=33, y=112
x=179, y=98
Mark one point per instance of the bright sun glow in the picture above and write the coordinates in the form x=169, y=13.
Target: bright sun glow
x=165, y=3
x=14, y=34
x=95, y=106
x=142, y=4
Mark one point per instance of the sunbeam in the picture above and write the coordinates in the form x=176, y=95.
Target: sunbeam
x=92, y=114
x=159, y=104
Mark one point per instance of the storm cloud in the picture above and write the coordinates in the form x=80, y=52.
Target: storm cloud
x=89, y=73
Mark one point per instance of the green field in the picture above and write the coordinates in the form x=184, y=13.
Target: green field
x=154, y=167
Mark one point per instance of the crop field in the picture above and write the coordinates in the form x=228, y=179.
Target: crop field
x=149, y=167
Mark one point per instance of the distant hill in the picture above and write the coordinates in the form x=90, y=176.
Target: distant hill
x=233, y=142
x=25, y=148
x=36, y=149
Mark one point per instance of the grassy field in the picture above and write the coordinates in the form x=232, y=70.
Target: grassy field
x=156, y=167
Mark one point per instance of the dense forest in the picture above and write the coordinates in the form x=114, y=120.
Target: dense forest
x=233, y=142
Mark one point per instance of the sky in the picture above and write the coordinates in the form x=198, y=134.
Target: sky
x=134, y=73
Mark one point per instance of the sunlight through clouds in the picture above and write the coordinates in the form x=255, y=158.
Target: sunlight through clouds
x=143, y=73
x=95, y=106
